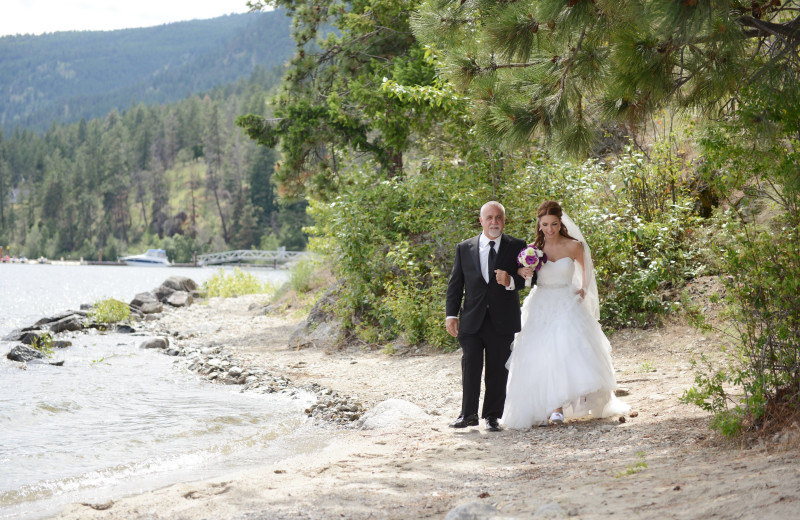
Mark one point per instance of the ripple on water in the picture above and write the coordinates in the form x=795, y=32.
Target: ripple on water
x=60, y=407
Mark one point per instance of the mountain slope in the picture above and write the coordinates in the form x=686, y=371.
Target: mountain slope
x=66, y=76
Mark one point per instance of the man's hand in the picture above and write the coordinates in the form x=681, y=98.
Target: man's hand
x=452, y=326
x=502, y=277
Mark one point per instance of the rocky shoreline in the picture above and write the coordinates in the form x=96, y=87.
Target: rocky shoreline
x=219, y=366
x=36, y=339
x=212, y=361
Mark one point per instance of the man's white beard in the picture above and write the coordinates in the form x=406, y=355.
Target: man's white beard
x=494, y=232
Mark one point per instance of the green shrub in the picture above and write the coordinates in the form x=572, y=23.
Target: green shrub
x=301, y=277
x=237, y=283
x=391, y=242
x=638, y=220
x=762, y=302
x=44, y=344
x=109, y=311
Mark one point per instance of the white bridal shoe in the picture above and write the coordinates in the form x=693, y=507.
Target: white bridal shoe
x=556, y=418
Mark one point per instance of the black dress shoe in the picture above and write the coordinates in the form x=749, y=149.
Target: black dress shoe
x=463, y=422
x=492, y=425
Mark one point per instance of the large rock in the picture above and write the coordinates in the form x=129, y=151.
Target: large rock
x=161, y=343
x=71, y=322
x=321, y=328
x=18, y=334
x=180, y=299
x=24, y=354
x=58, y=317
x=146, y=303
x=392, y=413
x=162, y=293
x=151, y=308
x=180, y=283
x=143, y=298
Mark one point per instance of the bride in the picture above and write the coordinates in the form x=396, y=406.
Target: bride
x=560, y=365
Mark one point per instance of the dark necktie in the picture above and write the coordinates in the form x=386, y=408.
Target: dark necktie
x=492, y=260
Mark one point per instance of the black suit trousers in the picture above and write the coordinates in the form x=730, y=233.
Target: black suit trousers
x=495, y=347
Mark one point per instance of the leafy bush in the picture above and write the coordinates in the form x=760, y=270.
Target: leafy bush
x=237, y=283
x=757, y=386
x=762, y=304
x=639, y=262
x=302, y=274
x=391, y=242
x=109, y=311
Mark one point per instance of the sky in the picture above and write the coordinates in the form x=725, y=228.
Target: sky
x=46, y=16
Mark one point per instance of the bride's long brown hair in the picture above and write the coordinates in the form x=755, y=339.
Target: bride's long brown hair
x=549, y=207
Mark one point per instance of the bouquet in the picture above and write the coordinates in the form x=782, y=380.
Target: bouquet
x=531, y=256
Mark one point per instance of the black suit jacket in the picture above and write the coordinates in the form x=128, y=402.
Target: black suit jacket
x=467, y=286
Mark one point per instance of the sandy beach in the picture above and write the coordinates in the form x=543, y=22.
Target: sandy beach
x=662, y=462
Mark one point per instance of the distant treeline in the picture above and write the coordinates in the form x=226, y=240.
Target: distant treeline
x=180, y=176
x=69, y=76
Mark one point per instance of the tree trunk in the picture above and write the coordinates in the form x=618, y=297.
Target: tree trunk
x=221, y=217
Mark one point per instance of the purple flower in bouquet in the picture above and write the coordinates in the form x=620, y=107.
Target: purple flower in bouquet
x=532, y=256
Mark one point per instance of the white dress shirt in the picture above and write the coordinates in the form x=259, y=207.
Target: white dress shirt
x=483, y=252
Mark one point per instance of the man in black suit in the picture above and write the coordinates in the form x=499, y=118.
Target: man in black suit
x=485, y=278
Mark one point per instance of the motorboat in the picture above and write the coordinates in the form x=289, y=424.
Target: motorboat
x=152, y=257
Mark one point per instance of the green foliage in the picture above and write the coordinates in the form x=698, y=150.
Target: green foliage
x=142, y=179
x=639, y=263
x=109, y=311
x=762, y=303
x=647, y=366
x=302, y=274
x=182, y=248
x=393, y=257
x=237, y=283
x=632, y=469
x=331, y=102
x=758, y=247
x=44, y=344
x=562, y=70
x=414, y=300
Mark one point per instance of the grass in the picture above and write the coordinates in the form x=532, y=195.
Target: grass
x=109, y=311
x=633, y=469
x=302, y=277
x=44, y=345
x=238, y=283
x=647, y=366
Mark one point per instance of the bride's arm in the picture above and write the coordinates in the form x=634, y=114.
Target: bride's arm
x=577, y=251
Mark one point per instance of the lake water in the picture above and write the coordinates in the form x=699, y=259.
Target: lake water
x=116, y=420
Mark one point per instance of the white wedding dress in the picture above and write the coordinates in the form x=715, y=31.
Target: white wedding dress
x=561, y=357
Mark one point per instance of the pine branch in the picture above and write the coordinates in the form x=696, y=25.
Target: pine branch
x=570, y=61
x=789, y=30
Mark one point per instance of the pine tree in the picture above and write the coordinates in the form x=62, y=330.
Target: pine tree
x=562, y=69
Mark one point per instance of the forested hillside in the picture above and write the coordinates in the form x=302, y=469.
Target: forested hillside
x=67, y=76
x=179, y=176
